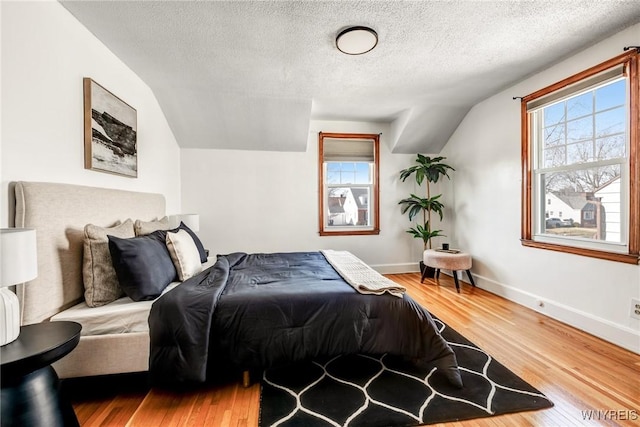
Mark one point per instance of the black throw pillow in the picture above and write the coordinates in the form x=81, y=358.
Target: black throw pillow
x=143, y=265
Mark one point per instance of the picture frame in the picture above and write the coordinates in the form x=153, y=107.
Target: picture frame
x=110, y=132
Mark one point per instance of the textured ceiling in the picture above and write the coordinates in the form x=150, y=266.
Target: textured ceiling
x=252, y=74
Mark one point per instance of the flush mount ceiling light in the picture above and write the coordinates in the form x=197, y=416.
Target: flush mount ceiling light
x=356, y=40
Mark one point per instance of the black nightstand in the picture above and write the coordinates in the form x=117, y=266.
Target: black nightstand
x=30, y=387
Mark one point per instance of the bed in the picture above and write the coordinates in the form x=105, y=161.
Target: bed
x=59, y=213
x=224, y=317
x=255, y=311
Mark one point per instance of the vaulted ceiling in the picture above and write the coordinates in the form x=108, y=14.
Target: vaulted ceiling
x=253, y=74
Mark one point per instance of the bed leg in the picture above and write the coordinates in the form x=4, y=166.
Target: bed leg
x=246, y=379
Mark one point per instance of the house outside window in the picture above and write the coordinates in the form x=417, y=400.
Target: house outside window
x=581, y=155
x=348, y=181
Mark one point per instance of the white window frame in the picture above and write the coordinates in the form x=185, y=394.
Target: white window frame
x=534, y=201
x=369, y=186
x=539, y=170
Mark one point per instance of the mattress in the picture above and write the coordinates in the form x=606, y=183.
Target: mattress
x=118, y=317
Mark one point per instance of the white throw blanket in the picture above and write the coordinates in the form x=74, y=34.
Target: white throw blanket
x=363, y=278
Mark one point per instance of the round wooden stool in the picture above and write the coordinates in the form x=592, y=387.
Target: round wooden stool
x=448, y=261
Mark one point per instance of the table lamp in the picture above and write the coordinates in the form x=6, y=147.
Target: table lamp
x=190, y=220
x=18, y=264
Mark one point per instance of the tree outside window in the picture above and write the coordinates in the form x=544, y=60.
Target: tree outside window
x=580, y=157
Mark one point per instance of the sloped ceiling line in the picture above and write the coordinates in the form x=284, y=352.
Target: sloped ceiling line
x=252, y=74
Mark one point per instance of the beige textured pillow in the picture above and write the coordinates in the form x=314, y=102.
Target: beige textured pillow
x=142, y=228
x=184, y=254
x=100, y=281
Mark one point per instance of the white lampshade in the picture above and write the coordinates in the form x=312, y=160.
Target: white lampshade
x=190, y=220
x=18, y=264
x=18, y=256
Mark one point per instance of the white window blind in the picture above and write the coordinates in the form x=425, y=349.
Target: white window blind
x=348, y=150
x=580, y=86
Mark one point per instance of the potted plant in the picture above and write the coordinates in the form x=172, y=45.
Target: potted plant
x=431, y=169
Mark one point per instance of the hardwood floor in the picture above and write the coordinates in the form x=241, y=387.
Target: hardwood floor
x=578, y=372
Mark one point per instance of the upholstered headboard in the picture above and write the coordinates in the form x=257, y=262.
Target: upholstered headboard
x=59, y=213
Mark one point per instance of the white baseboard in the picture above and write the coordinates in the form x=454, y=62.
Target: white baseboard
x=617, y=334
x=408, y=267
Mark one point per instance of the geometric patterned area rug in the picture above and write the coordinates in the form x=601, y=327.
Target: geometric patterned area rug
x=387, y=391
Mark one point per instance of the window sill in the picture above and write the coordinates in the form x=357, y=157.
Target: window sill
x=593, y=253
x=349, y=233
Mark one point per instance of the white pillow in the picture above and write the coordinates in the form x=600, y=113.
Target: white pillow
x=184, y=254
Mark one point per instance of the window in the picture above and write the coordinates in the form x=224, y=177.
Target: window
x=580, y=148
x=348, y=181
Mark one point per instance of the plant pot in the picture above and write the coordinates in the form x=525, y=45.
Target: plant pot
x=429, y=273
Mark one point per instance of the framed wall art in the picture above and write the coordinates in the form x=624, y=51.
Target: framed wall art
x=110, y=132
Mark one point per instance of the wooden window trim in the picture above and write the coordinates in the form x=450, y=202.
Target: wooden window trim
x=632, y=61
x=376, y=189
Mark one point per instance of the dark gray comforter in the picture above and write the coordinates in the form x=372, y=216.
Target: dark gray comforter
x=261, y=310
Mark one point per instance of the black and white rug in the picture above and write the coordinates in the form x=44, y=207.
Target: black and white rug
x=372, y=391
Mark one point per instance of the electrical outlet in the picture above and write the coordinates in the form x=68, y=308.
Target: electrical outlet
x=635, y=308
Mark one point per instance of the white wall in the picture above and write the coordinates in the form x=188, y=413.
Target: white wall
x=254, y=201
x=594, y=295
x=45, y=54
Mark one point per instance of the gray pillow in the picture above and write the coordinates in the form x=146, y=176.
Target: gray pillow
x=100, y=280
x=142, y=228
